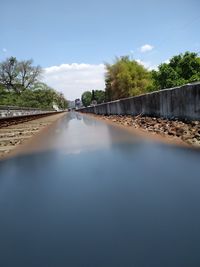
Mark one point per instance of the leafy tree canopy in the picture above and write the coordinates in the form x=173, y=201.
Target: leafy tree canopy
x=126, y=78
x=19, y=86
x=95, y=95
x=86, y=98
x=42, y=97
x=181, y=69
x=18, y=75
x=99, y=96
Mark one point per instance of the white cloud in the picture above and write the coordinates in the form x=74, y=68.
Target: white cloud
x=167, y=61
x=4, y=50
x=145, y=48
x=148, y=65
x=74, y=79
x=143, y=63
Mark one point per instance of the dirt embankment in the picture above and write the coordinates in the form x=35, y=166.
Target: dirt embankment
x=13, y=136
x=174, y=130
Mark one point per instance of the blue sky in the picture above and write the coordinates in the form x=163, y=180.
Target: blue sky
x=89, y=33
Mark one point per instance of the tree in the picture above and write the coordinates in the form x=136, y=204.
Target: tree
x=93, y=96
x=9, y=73
x=126, y=78
x=61, y=101
x=99, y=96
x=47, y=96
x=42, y=96
x=181, y=69
x=86, y=98
x=18, y=75
x=28, y=74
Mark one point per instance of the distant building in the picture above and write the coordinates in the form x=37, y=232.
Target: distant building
x=71, y=104
x=78, y=103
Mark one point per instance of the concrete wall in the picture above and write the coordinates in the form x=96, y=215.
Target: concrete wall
x=180, y=102
x=10, y=111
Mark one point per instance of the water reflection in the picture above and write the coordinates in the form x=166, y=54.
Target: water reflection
x=118, y=203
x=76, y=132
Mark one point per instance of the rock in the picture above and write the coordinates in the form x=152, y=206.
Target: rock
x=195, y=123
x=157, y=126
x=197, y=135
x=188, y=131
x=186, y=137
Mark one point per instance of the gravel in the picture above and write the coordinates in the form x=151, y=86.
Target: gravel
x=15, y=135
x=187, y=131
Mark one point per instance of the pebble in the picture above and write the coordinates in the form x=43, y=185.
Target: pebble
x=188, y=132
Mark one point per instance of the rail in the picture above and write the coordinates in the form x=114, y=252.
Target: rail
x=12, y=111
x=12, y=120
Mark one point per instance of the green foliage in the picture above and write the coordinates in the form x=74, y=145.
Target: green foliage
x=18, y=75
x=86, y=98
x=19, y=86
x=126, y=78
x=181, y=69
x=99, y=96
x=42, y=98
x=96, y=95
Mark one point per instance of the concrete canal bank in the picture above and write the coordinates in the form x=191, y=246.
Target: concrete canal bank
x=181, y=102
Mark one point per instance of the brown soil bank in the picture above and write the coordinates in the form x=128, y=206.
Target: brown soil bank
x=174, y=130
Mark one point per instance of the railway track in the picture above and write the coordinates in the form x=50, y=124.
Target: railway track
x=17, y=130
x=13, y=120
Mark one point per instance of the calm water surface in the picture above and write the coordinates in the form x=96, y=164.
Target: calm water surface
x=94, y=195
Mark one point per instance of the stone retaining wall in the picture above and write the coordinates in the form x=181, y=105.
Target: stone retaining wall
x=180, y=102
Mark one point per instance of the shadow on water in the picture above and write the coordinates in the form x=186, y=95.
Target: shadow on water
x=117, y=201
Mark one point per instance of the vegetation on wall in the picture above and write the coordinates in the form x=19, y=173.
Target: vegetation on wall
x=20, y=86
x=126, y=78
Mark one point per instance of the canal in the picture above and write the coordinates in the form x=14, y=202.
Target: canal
x=87, y=193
